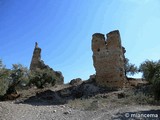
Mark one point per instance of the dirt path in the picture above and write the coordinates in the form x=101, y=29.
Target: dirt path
x=12, y=111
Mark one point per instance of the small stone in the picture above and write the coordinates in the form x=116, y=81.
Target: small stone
x=67, y=112
x=70, y=111
x=54, y=111
x=62, y=106
x=121, y=95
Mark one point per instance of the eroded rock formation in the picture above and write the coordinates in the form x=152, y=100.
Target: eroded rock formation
x=37, y=63
x=36, y=59
x=108, y=59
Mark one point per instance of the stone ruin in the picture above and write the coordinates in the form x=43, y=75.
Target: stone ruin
x=108, y=59
x=36, y=59
x=37, y=63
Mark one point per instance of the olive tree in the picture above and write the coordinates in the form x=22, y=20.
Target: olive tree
x=151, y=72
x=40, y=77
x=130, y=69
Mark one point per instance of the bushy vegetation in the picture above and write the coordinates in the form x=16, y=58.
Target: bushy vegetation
x=12, y=78
x=4, y=76
x=130, y=69
x=19, y=77
x=40, y=78
x=151, y=72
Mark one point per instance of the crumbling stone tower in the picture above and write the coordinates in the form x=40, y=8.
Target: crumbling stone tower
x=36, y=61
x=108, y=59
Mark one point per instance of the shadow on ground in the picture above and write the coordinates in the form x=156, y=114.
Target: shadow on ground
x=85, y=90
x=140, y=115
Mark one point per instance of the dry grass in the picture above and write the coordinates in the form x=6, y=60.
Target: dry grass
x=111, y=100
x=105, y=100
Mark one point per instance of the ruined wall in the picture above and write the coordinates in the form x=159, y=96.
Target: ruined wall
x=37, y=63
x=108, y=59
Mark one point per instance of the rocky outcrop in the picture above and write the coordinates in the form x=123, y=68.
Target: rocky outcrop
x=36, y=59
x=108, y=59
x=37, y=63
x=76, y=81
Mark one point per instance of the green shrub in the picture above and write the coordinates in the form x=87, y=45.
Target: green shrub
x=151, y=72
x=40, y=78
x=10, y=79
x=156, y=88
x=130, y=69
x=18, y=73
x=3, y=86
x=4, y=76
x=149, y=69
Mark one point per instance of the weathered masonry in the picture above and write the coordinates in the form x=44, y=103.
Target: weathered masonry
x=37, y=63
x=108, y=59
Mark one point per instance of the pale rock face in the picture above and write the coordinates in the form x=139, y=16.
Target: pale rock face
x=108, y=59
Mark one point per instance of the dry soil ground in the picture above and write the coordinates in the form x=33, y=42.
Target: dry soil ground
x=99, y=107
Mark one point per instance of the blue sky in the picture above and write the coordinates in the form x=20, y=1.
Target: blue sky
x=64, y=28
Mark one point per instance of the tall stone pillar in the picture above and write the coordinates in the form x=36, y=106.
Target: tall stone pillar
x=37, y=63
x=36, y=58
x=108, y=59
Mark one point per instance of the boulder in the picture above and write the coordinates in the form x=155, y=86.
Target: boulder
x=76, y=81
